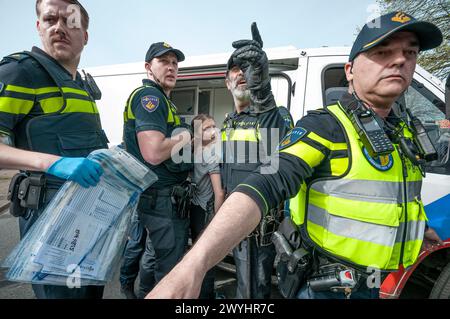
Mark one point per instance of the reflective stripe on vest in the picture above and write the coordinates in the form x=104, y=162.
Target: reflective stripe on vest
x=364, y=217
x=172, y=118
x=242, y=135
x=49, y=98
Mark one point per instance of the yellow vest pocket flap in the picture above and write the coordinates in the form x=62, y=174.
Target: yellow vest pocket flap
x=388, y=214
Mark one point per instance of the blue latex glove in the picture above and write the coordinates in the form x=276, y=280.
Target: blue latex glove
x=78, y=169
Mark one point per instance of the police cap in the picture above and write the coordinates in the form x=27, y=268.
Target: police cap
x=379, y=29
x=160, y=48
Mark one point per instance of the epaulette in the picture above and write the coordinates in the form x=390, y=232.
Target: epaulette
x=317, y=112
x=18, y=57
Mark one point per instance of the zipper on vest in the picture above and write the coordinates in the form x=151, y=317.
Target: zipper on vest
x=405, y=204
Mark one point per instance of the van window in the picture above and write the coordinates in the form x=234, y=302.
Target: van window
x=429, y=109
x=185, y=100
x=334, y=83
x=281, y=89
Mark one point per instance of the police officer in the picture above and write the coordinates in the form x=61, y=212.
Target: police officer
x=248, y=135
x=134, y=250
x=150, y=134
x=49, y=121
x=353, y=207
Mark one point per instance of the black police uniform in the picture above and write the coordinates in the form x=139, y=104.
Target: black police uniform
x=49, y=114
x=247, y=142
x=322, y=129
x=149, y=109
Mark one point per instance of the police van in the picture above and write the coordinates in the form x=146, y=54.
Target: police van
x=302, y=80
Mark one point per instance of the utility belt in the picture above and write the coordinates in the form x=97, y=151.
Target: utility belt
x=27, y=190
x=296, y=264
x=180, y=196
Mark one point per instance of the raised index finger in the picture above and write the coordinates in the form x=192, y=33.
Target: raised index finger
x=256, y=35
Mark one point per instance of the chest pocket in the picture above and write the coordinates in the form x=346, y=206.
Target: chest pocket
x=72, y=135
x=80, y=144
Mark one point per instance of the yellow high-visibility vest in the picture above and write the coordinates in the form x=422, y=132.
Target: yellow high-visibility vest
x=369, y=216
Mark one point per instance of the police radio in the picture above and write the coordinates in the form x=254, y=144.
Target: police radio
x=370, y=132
x=422, y=141
x=92, y=87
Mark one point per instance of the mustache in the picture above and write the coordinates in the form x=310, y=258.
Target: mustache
x=60, y=37
x=238, y=80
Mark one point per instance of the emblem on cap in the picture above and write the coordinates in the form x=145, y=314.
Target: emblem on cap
x=167, y=45
x=401, y=18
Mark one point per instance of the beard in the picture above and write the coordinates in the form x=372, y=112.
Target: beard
x=240, y=94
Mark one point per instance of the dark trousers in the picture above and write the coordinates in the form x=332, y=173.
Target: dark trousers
x=52, y=291
x=167, y=232
x=254, y=264
x=147, y=269
x=362, y=293
x=134, y=250
x=198, y=222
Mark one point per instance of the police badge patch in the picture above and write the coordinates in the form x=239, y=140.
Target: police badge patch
x=150, y=103
x=292, y=137
x=381, y=163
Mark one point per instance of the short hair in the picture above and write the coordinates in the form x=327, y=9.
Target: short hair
x=84, y=13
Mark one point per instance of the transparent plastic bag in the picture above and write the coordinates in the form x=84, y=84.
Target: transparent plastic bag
x=80, y=236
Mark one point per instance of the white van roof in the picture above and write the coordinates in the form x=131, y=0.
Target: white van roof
x=289, y=55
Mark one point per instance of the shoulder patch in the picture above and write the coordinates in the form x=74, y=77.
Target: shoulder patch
x=2, y=86
x=150, y=103
x=292, y=137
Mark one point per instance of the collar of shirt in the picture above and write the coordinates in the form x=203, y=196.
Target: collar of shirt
x=348, y=101
x=149, y=82
x=65, y=74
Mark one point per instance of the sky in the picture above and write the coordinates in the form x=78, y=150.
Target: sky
x=122, y=31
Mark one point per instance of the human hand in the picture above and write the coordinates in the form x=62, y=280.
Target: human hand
x=252, y=60
x=431, y=239
x=180, y=283
x=78, y=169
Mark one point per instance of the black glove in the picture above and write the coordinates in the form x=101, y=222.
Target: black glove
x=252, y=60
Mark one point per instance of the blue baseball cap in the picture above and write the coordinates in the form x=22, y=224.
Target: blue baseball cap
x=160, y=48
x=379, y=29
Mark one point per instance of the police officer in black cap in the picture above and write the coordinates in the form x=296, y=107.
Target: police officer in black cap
x=357, y=205
x=150, y=134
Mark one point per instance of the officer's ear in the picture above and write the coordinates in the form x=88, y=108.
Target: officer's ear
x=86, y=37
x=349, y=71
x=38, y=27
x=148, y=67
x=227, y=80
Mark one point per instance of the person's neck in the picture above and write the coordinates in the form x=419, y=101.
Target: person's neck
x=381, y=106
x=382, y=112
x=72, y=70
x=240, y=105
x=166, y=91
x=71, y=66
